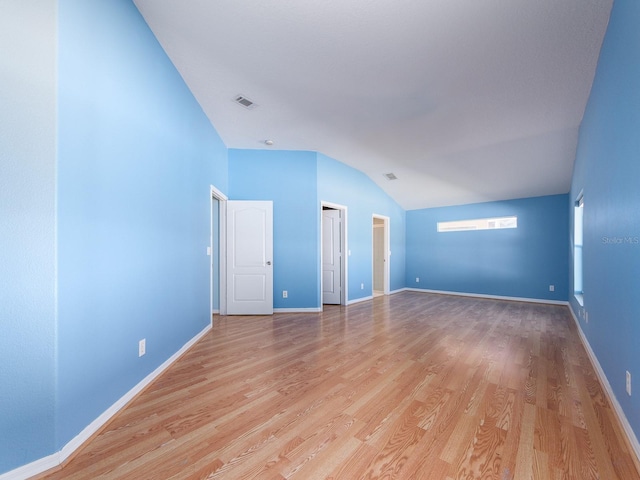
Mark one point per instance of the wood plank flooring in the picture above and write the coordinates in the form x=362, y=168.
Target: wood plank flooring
x=409, y=386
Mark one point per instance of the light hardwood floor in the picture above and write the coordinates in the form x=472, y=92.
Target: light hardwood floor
x=414, y=385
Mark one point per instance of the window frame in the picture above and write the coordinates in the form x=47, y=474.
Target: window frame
x=578, y=249
x=478, y=224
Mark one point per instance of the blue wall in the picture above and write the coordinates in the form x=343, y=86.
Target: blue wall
x=607, y=169
x=519, y=262
x=288, y=178
x=27, y=231
x=298, y=182
x=341, y=184
x=105, y=217
x=136, y=158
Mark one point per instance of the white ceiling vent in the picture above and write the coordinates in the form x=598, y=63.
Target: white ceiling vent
x=390, y=176
x=245, y=102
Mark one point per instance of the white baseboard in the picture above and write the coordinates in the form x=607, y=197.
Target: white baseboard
x=94, y=426
x=631, y=436
x=43, y=464
x=56, y=459
x=358, y=300
x=492, y=297
x=298, y=310
x=34, y=468
x=400, y=290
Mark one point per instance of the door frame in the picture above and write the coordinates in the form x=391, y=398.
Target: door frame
x=215, y=194
x=386, y=252
x=344, y=293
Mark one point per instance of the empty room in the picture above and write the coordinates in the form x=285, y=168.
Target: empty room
x=319, y=240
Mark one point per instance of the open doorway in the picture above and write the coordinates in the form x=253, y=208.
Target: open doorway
x=217, y=253
x=333, y=262
x=380, y=234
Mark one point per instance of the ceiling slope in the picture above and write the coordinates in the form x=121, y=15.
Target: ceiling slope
x=463, y=100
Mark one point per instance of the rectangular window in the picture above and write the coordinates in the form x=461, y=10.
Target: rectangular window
x=578, y=238
x=478, y=224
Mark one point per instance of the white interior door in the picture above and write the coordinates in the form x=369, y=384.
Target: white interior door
x=249, y=257
x=331, y=256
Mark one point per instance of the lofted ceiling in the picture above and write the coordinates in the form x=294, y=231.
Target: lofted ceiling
x=463, y=100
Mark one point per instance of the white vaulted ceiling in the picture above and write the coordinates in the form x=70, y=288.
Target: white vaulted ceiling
x=463, y=100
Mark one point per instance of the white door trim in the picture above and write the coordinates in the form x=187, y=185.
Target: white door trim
x=344, y=293
x=216, y=194
x=387, y=252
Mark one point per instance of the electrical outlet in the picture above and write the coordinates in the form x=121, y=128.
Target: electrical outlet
x=552, y=288
x=142, y=347
x=417, y=279
x=628, y=383
x=285, y=294
x=586, y=316
x=362, y=286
